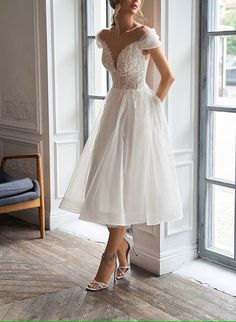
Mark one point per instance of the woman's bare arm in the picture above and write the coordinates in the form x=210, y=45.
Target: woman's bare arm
x=167, y=77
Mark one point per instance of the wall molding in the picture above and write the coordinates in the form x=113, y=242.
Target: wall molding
x=56, y=129
x=38, y=67
x=24, y=140
x=170, y=228
x=18, y=111
x=189, y=149
x=57, y=170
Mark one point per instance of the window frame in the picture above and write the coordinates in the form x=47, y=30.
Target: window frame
x=203, y=180
x=85, y=60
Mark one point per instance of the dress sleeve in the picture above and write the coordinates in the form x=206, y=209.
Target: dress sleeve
x=150, y=40
x=98, y=40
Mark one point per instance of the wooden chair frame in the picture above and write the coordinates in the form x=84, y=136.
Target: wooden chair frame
x=38, y=202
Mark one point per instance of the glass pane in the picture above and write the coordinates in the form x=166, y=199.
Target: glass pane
x=220, y=214
x=97, y=79
x=221, y=134
x=96, y=16
x=93, y=110
x=222, y=71
x=222, y=15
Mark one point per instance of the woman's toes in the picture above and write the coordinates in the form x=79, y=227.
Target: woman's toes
x=93, y=285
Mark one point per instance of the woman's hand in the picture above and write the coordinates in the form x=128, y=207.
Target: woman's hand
x=157, y=99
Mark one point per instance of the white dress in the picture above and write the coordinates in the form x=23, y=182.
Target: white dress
x=126, y=173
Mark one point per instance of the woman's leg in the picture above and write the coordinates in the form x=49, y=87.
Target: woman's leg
x=121, y=252
x=106, y=267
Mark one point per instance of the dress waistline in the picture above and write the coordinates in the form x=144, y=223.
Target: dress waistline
x=143, y=86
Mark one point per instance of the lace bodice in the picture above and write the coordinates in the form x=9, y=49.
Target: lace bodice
x=129, y=70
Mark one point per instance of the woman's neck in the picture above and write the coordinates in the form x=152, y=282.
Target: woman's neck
x=124, y=22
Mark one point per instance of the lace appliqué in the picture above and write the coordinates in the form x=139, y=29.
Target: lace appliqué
x=129, y=69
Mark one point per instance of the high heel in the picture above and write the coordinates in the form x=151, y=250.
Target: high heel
x=129, y=240
x=102, y=285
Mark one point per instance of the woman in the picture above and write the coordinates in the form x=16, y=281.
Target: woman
x=126, y=173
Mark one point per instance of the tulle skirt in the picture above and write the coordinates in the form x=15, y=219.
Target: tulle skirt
x=126, y=173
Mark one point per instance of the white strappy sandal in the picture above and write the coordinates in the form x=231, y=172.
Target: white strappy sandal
x=120, y=273
x=102, y=285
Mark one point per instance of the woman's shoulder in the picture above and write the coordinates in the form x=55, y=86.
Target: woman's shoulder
x=144, y=29
x=103, y=33
x=149, y=38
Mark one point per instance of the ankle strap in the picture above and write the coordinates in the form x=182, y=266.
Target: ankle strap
x=108, y=257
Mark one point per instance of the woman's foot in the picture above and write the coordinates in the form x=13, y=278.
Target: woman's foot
x=121, y=253
x=106, y=268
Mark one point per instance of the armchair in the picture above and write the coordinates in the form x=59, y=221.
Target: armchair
x=19, y=194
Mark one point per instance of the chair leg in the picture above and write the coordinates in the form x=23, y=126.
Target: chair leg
x=41, y=213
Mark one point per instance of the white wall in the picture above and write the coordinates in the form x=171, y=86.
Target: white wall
x=65, y=99
x=23, y=90
x=41, y=93
x=165, y=247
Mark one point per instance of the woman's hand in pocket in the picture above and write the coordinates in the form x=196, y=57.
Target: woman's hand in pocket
x=157, y=99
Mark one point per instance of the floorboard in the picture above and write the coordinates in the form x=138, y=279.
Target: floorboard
x=45, y=279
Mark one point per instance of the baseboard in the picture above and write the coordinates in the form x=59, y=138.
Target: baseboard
x=167, y=262
x=174, y=259
x=57, y=220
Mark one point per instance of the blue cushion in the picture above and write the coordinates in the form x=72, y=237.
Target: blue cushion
x=10, y=186
x=15, y=187
x=25, y=196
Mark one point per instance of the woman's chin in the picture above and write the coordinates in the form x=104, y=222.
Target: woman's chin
x=132, y=11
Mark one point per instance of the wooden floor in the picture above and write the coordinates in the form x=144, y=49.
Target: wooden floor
x=45, y=279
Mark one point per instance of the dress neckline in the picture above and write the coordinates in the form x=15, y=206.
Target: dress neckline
x=115, y=61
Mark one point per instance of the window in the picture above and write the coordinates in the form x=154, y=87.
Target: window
x=96, y=80
x=217, y=190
